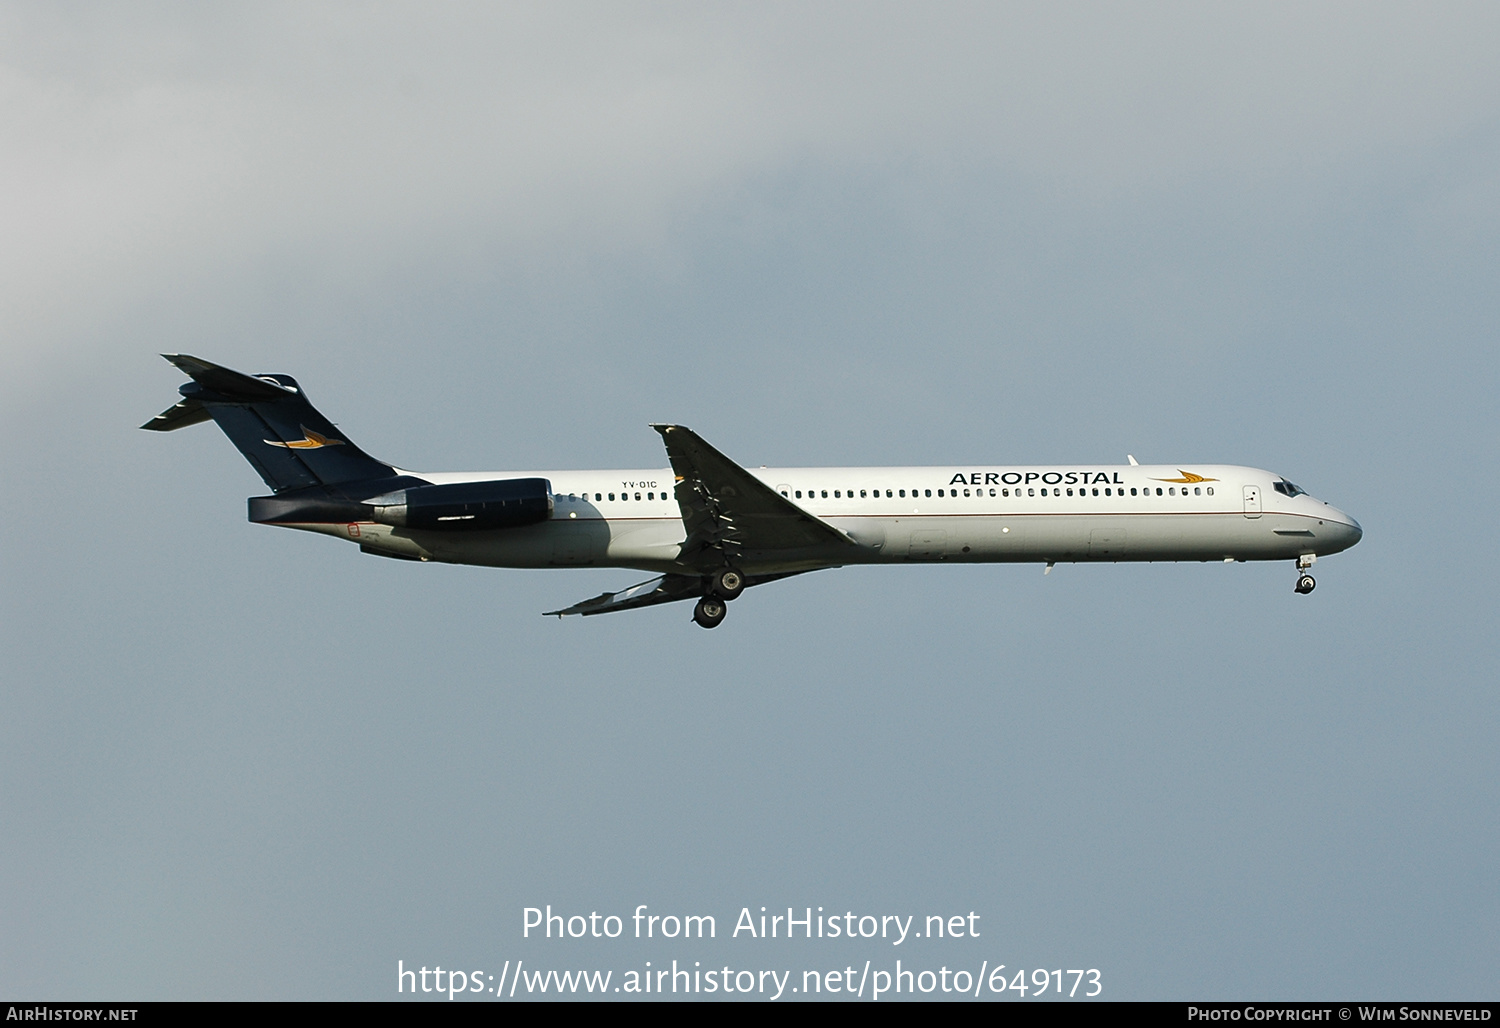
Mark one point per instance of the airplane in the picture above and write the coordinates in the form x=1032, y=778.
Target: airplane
x=709, y=528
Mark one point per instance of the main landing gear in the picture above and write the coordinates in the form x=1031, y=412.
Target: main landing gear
x=727, y=583
x=710, y=611
x=1305, y=582
x=721, y=587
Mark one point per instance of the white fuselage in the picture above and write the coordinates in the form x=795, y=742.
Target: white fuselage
x=964, y=514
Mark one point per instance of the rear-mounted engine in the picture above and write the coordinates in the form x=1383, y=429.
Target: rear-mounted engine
x=465, y=506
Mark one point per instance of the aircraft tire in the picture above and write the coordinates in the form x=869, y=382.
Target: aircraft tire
x=1306, y=584
x=727, y=583
x=710, y=612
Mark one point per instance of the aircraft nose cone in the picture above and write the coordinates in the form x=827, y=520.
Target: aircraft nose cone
x=1349, y=530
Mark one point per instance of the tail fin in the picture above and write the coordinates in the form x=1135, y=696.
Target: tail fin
x=283, y=437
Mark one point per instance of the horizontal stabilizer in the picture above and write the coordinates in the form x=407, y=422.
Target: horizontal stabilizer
x=231, y=385
x=179, y=415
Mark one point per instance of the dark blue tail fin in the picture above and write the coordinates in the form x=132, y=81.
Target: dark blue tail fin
x=269, y=419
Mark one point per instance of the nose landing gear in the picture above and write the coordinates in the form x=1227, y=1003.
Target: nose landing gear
x=1305, y=582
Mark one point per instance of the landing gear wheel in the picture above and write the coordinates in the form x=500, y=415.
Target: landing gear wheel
x=1305, y=584
x=710, y=611
x=727, y=583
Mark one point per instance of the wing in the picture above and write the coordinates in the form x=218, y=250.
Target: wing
x=662, y=589
x=731, y=516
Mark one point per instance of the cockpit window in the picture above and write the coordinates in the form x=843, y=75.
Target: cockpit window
x=1287, y=488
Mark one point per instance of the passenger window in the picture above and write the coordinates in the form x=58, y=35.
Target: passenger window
x=903, y=494
x=611, y=496
x=1158, y=490
x=861, y=494
x=1210, y=490
x=966, y=492
x=783, y=492
x=1004, y=492
x=825, y=494
x=637, y=496
x=799, y=494
x=1197, y=491
x=929, y=492
x=888, y=493
x=1070, y=492
x=835, y=494
x=992, y=492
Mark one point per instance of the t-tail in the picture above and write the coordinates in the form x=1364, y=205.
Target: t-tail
x=268, y=418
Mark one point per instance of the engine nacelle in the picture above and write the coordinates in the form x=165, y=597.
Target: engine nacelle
x=465, y=506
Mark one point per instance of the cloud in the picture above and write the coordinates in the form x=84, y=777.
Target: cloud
x=152, y=147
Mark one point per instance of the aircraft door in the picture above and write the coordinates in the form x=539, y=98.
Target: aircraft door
x=1252, y=501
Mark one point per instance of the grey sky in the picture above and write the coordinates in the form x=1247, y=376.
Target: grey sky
x=238, y=762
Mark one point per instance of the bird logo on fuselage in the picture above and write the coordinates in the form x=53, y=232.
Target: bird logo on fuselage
x=1187, y=477
x=310, y=441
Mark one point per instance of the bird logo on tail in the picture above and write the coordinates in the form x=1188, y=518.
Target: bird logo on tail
x=310, y=441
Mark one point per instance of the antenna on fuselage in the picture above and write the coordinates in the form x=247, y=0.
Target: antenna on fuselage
x=1133, y=462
